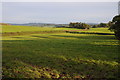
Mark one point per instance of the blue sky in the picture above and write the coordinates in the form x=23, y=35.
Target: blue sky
x=58, y=12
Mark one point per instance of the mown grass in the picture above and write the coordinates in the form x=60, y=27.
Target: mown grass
x=60, y=55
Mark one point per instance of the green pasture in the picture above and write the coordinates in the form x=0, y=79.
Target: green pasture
x=99, y=30
x=60, y=54
x=14, y=28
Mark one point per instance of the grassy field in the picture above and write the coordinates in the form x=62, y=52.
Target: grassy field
x=59, y=54
x=12, y=28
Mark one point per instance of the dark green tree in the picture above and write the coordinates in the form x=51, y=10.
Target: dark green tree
x=102, y=25
x=109, y=23
x=95, y=26
x=79, y=25
x=116, y=26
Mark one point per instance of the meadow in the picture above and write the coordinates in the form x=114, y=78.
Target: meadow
x=43, y=52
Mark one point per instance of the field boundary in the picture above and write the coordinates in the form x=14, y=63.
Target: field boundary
x=90, y=33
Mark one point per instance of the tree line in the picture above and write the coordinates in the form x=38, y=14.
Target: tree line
x=81, y=25
x=103, y=25
x=113, y=25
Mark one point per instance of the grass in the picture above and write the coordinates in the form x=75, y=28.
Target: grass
x=100, y=30
x=60, y=55
x=14, y=28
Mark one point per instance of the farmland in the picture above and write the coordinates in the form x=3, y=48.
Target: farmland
x=43, y=52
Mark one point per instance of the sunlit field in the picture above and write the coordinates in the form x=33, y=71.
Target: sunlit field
x=12, y=28
x=59, y=54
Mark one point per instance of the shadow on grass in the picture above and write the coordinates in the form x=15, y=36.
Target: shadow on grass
x=88, y=37
x=31, y=36
x=65, y=68
x=40, y=36
x=59, y=59
x=90, y=33
x=16, y=37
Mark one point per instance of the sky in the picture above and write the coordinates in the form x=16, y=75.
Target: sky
x=59, y=0
x=58, y=12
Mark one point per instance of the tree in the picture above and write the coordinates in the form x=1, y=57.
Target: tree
x=95, y=26
x=109, y=23
x=79, y=25
x=116, y=26
x=102, y=25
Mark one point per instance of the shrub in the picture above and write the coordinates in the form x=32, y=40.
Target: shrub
x=116, y=26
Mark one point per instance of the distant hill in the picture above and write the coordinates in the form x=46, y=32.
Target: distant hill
x=43, y=24
x=92, y=24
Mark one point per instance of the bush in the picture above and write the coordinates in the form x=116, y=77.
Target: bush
x=79, y=25
x=116, y=26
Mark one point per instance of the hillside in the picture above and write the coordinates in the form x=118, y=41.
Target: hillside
x=59, y=54
x=42, y=24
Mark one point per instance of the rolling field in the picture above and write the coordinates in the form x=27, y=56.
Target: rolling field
x=12, y=28
x=59, y=54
